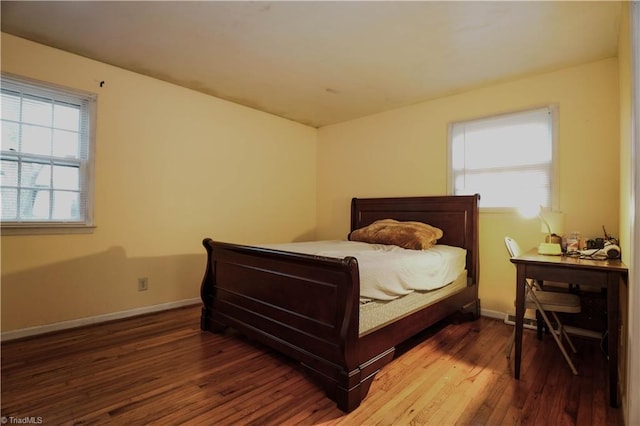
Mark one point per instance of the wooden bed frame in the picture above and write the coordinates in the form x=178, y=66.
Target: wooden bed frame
x=307, y=307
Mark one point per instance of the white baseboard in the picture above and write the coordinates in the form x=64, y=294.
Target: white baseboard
x=65, y=325
x=491, y=314
x=531, y=323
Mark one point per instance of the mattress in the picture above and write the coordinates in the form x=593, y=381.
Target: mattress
x=376, y=314
x=389, y=272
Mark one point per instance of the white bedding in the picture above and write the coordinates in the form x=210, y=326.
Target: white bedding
x=388, y=272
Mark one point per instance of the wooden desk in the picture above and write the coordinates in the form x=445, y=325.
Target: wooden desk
x=575, y=271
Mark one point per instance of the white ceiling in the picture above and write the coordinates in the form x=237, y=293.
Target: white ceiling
x=323, y=62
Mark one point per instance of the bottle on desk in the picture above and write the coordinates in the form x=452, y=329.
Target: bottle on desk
x=573, y=242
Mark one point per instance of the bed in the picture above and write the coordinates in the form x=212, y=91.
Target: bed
x=309, y=308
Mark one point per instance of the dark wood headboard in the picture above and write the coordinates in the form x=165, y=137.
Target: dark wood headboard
x=456, y=215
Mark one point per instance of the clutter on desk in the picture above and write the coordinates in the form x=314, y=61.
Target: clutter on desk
x=600, y=248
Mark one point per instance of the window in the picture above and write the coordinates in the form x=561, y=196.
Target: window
x=507, y=159
x=46, y=166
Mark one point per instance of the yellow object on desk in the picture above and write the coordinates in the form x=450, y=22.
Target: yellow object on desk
x=550, y=249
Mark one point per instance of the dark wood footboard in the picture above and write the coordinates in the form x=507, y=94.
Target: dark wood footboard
x=303, y=306
x=307, y=307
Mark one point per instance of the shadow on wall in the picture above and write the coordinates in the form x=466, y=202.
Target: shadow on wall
x=98, y=284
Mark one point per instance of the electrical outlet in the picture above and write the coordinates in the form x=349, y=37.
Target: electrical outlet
x=143, y=284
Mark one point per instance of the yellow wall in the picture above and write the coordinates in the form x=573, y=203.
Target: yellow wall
x=173, y=166
x=404, y=152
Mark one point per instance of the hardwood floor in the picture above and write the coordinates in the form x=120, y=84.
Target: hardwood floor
x=161, y=369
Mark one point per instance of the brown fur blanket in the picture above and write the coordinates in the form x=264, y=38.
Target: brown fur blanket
x=410, y=235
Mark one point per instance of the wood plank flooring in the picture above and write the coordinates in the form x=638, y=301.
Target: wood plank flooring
x=161, y=369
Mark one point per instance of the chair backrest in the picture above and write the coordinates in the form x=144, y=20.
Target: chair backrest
x=512, y=246
x=514, y=250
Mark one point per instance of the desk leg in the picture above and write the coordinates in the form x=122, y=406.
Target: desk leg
x=520, y=289
x=613, y=327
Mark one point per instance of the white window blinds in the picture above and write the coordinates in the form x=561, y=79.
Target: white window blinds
x=45, y=168
x=507, y=159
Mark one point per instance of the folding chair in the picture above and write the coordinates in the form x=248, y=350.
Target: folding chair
x=547, y=302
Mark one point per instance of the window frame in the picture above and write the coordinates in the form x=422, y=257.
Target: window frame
x=554, y=169
x=86, y=165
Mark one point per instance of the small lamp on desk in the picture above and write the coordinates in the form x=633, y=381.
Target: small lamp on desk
x=552, y=224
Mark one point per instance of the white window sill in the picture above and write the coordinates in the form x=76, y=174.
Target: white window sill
x=46, y=228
